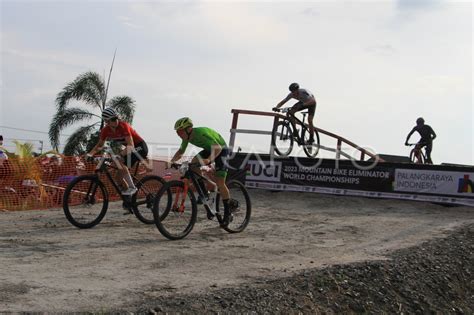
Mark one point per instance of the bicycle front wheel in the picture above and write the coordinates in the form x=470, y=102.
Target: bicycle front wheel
x=416, y=156
x=85, y=201
x=282, y=138
x=142, y=202
x=175, y=210
x=240, y=207
x=310, y=149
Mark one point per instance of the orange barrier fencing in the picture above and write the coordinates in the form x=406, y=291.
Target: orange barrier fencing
x=39, y=183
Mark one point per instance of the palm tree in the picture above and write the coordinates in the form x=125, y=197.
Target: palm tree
x=89, y=88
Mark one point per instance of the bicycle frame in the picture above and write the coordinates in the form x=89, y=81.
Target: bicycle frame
x=188, y=174
x=106, y=162
x=293, y=120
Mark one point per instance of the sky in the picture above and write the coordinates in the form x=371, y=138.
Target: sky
x=373, y=66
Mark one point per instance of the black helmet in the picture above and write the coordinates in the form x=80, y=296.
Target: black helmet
x=420, y=121
x=294, y=86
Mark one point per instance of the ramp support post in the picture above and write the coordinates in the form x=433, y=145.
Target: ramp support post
x=272, y=147
x=235, y=119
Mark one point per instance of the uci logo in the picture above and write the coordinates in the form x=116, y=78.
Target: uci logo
x=264, y=171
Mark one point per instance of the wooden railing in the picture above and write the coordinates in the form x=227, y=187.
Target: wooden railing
x=276, y=116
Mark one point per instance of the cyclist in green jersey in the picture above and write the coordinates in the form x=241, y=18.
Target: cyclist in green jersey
x=214, y=150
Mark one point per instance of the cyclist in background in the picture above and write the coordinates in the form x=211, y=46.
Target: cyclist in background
x=306, y=100
x=427, y=136
x=3, y=159
x=135, y=150
x=3, y=155
x=214, y=150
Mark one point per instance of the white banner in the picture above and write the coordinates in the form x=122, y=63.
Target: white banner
x=434, y=182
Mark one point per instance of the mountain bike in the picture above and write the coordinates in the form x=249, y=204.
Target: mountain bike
x=177, y=221
x=86, y=198
x=286, y=132
x=416, y=154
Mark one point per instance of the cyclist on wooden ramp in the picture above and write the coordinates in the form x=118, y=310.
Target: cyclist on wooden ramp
x=427, y=136
x=306, y=101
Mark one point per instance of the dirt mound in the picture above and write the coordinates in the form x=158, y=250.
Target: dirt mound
x=436, y=276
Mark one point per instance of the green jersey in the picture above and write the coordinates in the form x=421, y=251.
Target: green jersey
x=205, y=138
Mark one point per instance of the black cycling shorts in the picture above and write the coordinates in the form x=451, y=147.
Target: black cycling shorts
x=299, y=106
x=141, y=152
x=220, y=161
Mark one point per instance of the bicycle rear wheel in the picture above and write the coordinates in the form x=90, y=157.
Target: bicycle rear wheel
x=282, y=138
x=85, y=201
x=142, y=202
x=177, y=220
x=240, y=207
x=311, y=150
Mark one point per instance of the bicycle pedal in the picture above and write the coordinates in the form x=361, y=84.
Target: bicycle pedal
x=233, y=206
x=210, y=215
x=226, y=223
x=127, y=209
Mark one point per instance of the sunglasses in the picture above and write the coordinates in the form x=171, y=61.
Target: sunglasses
x=111, y=120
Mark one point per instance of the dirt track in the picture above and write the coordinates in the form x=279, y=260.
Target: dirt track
x=49, y=265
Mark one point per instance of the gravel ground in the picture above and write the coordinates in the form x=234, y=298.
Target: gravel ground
x=301, y=252
x=434, y=277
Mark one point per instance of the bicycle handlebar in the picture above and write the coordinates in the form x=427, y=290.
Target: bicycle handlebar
x=106, y=159
x=97, y=159
x=412, y=144
x=185, y=164
x=281, y=110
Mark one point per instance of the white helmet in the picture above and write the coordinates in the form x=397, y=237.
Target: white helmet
x=109, y=113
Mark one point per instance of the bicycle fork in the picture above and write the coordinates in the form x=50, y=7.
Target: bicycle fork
x=91, y=191
x=180, y=197
x=285, y=135
x=208, y=200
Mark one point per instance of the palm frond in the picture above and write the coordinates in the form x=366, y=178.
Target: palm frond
x=125, y=107
x=23, y=150
x=88, y=87
x=77, y=142
x=64, y=118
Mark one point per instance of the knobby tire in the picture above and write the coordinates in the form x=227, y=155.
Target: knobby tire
x=85, y=201
x=241, y=216
x=142, y=202
x=176, y=221
x=282, y=133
